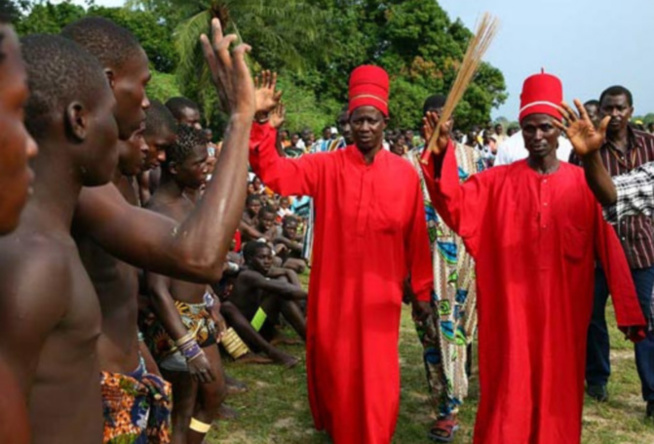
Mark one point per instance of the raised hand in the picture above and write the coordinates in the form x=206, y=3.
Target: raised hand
x=431, y=121
x=278, y=116
x=584, y=137
x=267, y=97
x=229, y=71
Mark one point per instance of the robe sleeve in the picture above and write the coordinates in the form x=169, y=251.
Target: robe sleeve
x=283, y=175
x=618, y=276
x=418, y=252
x=460, y=205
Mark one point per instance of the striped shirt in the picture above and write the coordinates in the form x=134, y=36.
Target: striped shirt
x=635, y=232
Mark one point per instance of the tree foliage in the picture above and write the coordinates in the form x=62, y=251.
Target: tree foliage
x=312, y=44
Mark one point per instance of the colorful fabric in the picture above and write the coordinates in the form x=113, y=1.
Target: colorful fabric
x=535, y=239
x=196, y=319
x=136, y=407
x=369, y=235
x=455, y=297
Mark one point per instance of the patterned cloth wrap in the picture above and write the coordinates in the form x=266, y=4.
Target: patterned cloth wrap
x=196, y=319
x=455, y=297
x=136, y=407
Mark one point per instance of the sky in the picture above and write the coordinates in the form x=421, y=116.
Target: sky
x=589, y=44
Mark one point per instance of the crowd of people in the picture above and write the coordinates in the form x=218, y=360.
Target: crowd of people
x=137, y=253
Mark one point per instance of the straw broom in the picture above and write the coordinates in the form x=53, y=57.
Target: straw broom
x=486, y=31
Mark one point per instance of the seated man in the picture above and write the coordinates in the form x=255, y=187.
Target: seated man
x=249, y=222
x=261, y=293
x=266, y=224
x=184, y=339
x=289, y=246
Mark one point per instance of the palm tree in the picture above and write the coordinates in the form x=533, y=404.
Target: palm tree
x=283, y=34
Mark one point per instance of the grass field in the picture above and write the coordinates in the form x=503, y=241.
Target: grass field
x=276, y=410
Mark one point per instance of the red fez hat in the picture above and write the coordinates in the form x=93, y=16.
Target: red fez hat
x=369, y=87
x=541, y=94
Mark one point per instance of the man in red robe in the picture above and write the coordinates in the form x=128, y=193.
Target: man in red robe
x=534, y=230
x=370, y=234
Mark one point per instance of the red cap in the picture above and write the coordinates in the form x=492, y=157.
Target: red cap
x=541, y=94
x=369, y=87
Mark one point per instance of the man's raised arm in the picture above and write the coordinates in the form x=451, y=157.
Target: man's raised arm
x=586, y=141
x=195, y=249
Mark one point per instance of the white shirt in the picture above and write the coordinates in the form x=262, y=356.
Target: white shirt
x=513, y=149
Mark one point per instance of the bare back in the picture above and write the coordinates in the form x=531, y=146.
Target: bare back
x=49, y=326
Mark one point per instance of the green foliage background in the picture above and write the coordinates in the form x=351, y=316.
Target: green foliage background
x=312, y=44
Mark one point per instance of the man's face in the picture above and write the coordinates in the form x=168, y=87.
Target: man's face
x=132, y=154
x=16, y=145
x=295, y=139
x=307, y=137
x=254, y=206
x=540, y=135
x=368, y=125
x=98, y=155
x=326, y=134
x=345, y=128
x=192, y=173
x=157, y=144
x=499, y=129
x=290, y=229
x=262, y=260
x=620, y=111
x=266, y=221
x=190, y=117
x=593, y=114
x=129, y=90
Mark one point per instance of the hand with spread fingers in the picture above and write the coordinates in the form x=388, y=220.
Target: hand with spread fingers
x=267, y=96
x=278, y=116
x=584, y=137
x=430, y=122
x=229, y=71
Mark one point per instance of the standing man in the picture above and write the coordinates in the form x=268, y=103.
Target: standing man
x=624, y=150
x=455, y=296
x=534, y=231
x=593, y=109
x=16, y=148
x=369, y=235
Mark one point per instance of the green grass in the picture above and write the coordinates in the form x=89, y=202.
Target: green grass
x=276, y=410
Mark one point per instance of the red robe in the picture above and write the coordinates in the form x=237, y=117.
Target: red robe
x=370, y=233
x=534, y=239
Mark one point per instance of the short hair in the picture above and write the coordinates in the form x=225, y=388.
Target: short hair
x=433, y=103
x=158, y=119
x=266, y=210
x=112, y=44
x=187, y=139
x=592, y=102
x=251, y=197
x=177, y=104
x=617, y=90
x=289, y=218
x=59, y=72
x=252, y=248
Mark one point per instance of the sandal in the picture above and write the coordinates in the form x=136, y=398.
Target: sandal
x=443, y=429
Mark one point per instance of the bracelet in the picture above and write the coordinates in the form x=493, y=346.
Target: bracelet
x=184, y=339
x=191, y=350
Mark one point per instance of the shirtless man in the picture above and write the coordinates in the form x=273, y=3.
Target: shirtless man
x=16, y=147
x=160, y=132
x=289, y=247
x=196, y=248
x=249, y=221
x=49, y=314
x=261, y=295
x=117, y=286
x=184, y=336
x=185, y=111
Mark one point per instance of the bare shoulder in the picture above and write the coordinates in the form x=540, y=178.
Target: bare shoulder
x=36, y=270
